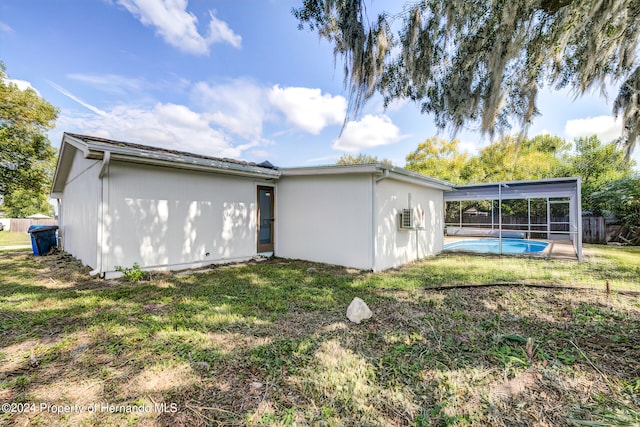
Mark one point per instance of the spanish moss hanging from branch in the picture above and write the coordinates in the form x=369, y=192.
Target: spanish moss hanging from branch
x=481, y=63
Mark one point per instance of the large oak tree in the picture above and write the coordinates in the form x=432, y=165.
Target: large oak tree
x=26, y=155
x=481, y=63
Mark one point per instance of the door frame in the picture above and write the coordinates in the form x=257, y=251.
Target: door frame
x=265, y=247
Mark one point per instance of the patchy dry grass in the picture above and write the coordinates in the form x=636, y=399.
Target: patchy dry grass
x=8, y=238
x=268, y=344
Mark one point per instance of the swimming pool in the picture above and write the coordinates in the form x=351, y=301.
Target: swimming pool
x=492, y=246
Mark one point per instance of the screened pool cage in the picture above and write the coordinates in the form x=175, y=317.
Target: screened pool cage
x=548, y=209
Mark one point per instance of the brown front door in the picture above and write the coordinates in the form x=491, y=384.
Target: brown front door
x=266, y=198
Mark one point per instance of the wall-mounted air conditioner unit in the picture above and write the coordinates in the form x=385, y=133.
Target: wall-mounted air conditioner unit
x=407, y=219
x=411, y=219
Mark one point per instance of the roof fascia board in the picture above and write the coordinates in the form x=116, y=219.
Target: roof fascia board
x=330, y=170
x=77, y=143
x=183, y=162
x=423, y=182
x=398, y=174
x=196, y=166
x=57, y=175
x=421, y=179
x=63, y=164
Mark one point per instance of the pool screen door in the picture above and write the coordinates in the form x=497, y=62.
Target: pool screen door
x=266, y=218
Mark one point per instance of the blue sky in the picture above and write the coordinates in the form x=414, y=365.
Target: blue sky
x=225, y=78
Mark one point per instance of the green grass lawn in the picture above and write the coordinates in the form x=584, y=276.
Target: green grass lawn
x=268, y=344
x=620, y=265
x=8, y=238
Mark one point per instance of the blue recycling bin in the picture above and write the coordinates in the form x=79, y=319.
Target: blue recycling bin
x=43, y=238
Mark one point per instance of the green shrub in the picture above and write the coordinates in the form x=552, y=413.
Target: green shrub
x=133, y=273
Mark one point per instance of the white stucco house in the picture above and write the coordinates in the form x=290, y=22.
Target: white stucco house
x=123, y=203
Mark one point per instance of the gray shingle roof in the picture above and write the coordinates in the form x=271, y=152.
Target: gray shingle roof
x=148, y=148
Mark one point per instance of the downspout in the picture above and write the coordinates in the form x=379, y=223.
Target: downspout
x=373, y=222
x=60, y=223
x=385, y=174
x=104, y=169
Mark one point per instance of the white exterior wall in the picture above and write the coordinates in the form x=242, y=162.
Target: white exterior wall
x=79, y=209
x=171, y=218
x=395, y=247
x=325, y=218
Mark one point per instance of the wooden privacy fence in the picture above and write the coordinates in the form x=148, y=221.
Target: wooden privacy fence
x=17, y=225
x=594, y=230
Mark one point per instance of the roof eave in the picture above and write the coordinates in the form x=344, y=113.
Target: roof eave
x=421, y=179
x=423, y=182
x=397, y=173
x=61, y=170
x=133, y=155
x=200, y=165
x=330, y=170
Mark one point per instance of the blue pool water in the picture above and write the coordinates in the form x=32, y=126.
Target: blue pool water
x=509, y=246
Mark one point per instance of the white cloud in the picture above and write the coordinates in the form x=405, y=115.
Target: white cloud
x=178, y=27
x=371, y=131
x=169, y=126
x=112, y=83
x=165, y=125
x=238, y=106
x=376, y=105
x=5, y=28
x=396, y=105
x=260, y=153
x=307, y=109
x=468, y=147
x=323, y=159
x=605, y=127
x=219, y=31
x=23, y=85
x=223, y=119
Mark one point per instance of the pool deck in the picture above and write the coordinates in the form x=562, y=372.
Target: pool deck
x=557, y=249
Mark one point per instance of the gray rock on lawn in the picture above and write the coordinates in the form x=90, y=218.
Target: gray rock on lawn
x=358, y=311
